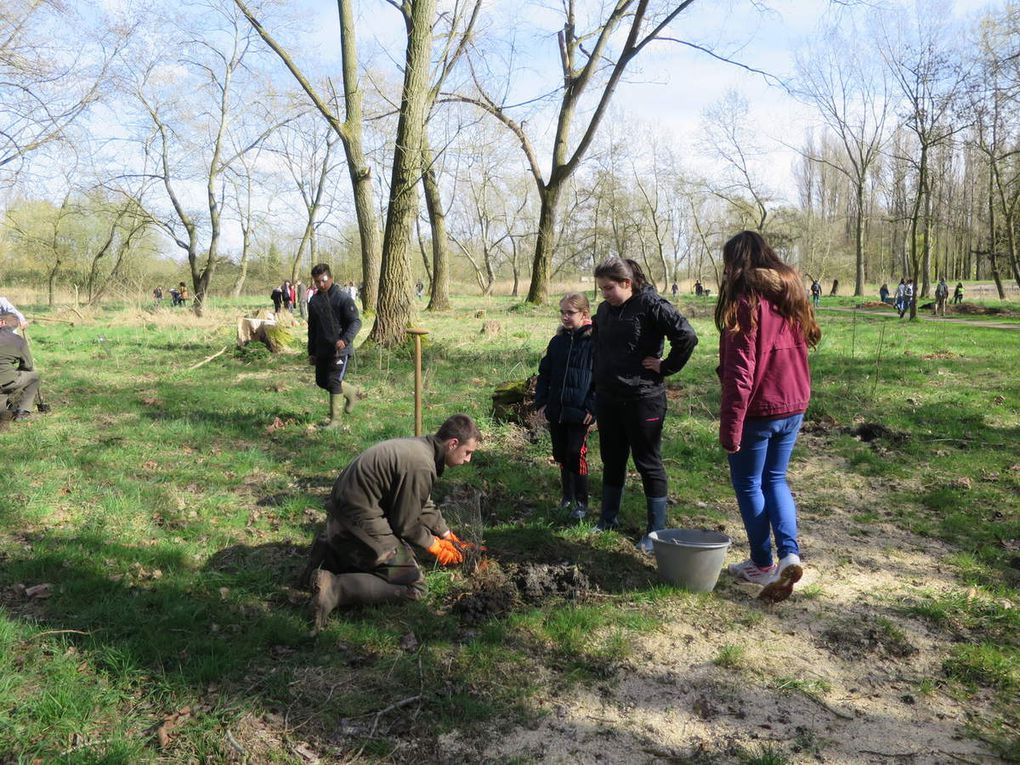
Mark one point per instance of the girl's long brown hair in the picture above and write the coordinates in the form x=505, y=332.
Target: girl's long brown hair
x=743, y=255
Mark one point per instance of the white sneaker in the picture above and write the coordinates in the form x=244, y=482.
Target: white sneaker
x=749, y=571
x=790, y=572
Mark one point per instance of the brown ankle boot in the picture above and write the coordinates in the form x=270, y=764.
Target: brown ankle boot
x=325, y=598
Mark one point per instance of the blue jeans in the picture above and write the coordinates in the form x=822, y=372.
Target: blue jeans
x=758, y=474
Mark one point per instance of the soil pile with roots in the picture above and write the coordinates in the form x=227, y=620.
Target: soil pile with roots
x=495, y=589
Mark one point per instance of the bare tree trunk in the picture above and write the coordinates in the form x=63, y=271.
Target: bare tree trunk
x=395, y=297
x=540, y=267
x=439, y=296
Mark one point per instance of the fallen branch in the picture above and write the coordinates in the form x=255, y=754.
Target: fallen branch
x=207, y=360
x=57, y=632
x=50, y=318
x=235, y=744
x=827, y=707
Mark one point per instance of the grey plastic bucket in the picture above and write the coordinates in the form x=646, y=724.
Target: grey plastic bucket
x=690, y=558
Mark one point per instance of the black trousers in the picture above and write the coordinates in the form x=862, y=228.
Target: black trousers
x=330, y=371
x=570, y=450
x=633, y=427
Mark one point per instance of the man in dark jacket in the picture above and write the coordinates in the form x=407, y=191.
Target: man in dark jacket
x=19, y=382
x=333, y=323
x=379, y=511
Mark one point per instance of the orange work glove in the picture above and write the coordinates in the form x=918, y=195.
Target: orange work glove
x=446, y=552
x=461, y=544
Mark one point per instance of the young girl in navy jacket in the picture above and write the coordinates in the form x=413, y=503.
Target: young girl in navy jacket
x=564, y=392
x=765, y=325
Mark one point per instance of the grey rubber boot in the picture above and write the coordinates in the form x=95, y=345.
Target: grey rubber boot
x=656, y=521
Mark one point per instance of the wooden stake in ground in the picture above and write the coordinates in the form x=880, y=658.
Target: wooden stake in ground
x=417, y=377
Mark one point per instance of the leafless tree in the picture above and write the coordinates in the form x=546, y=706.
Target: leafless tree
x=918, y=51
x=350, y=129
x=729, y=137
x=592, y=55
x=852, y=97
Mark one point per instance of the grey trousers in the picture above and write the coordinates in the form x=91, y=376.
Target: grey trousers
x=23, y=391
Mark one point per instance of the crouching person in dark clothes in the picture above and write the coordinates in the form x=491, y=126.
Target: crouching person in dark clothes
x=333, y=323
x=379, y=513
x=19, y=382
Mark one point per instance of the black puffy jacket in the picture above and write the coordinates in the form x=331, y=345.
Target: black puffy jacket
x=564, y=377
x=625, y=335
x=332, y=317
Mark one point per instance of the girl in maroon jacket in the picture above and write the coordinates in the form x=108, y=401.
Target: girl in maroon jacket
x=766, y=326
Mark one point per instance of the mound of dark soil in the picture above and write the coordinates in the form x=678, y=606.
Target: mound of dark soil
x=973, y=309
x=872, y=431
x=494, y=590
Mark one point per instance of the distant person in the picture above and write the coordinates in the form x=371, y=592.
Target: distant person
x=901, y=297
x=182, y=298
x=379, y=512
x=816, y=292
x=19, y=382
x=277, y=297
x=941, y=297
x=835, y=288
x=631, y=326
x=175, y=296
x=157, y=296
x=6, y=306
x=908, y=296
x=419, y=289
x=765, y=328
x=565, y=396
x=883, y=293
x=958, y=293
x=699, y=290
x=333, y=323
x=301, y=296
x=674, y=290
x=287, y=295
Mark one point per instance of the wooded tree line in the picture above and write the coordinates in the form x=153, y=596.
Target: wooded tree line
x=475, y=155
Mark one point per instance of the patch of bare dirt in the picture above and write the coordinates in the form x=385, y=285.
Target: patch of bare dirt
x=842, y=672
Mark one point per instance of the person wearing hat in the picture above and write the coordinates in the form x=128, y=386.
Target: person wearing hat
x=19, y=382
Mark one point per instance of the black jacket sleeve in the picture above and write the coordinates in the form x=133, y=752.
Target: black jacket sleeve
x=680, y=334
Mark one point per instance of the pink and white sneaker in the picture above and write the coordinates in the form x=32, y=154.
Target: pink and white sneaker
x=790, y=572
x=749, y=571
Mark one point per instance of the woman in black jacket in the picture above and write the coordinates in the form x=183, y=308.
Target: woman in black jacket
x=630, y=328
x=564, y=392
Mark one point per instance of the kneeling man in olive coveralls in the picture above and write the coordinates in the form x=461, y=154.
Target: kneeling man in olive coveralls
x=379, y=512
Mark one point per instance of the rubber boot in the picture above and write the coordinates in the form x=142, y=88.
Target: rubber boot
x=612, y=498
x=334, y=411
x=332, y=590
x=656, y=521
x=350, y=394
x=580, y=483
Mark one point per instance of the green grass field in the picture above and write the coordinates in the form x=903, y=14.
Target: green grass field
x=167, y=508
